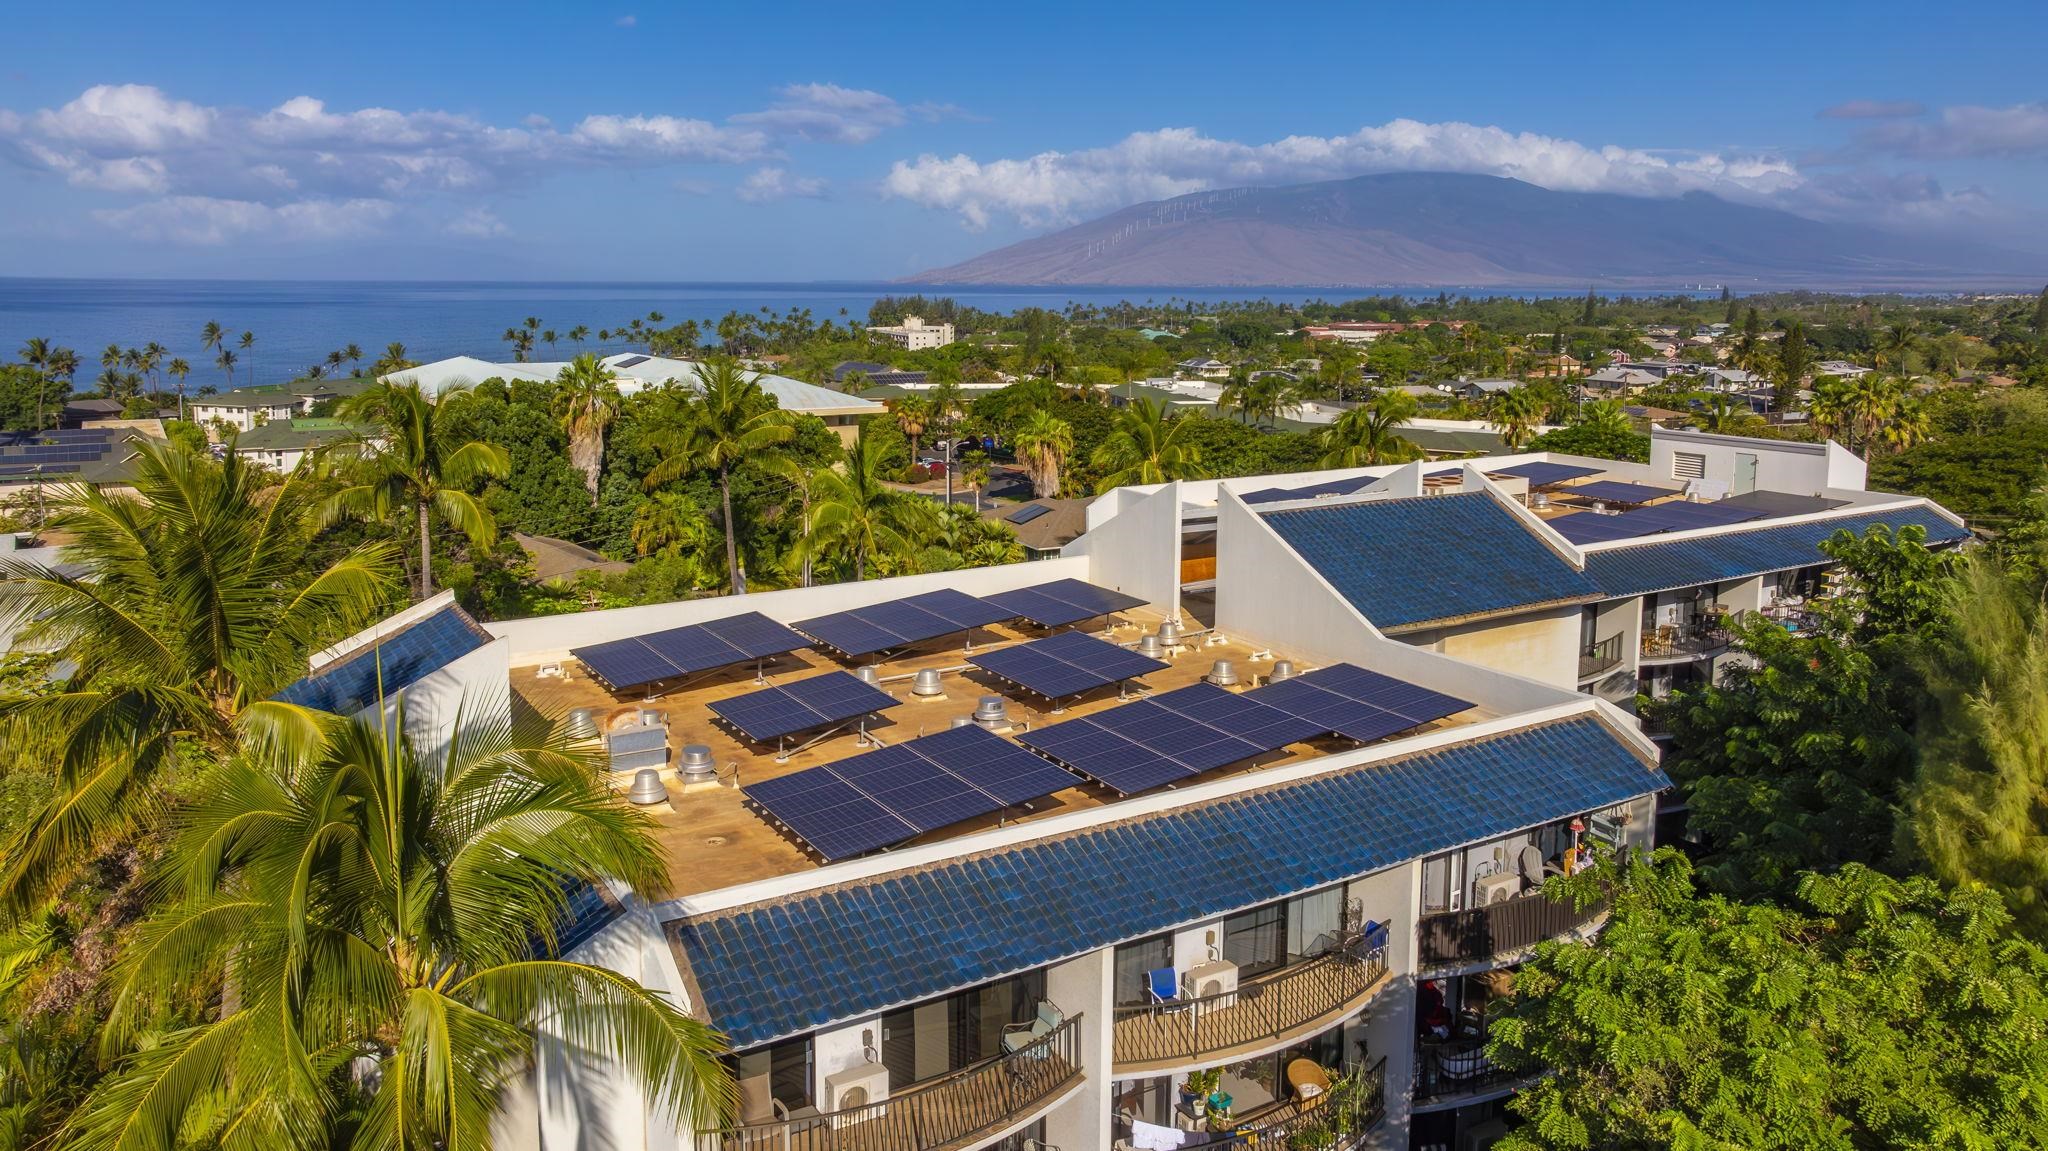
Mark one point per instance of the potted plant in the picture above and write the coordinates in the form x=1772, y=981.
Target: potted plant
x=1199, y=1086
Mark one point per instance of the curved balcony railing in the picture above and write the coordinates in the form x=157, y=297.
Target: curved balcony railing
x=948, y=1112
x=1345, y=1122
x=1459, y=1067
x=1483, y=932
x=1597, y=659
x=1300, y=998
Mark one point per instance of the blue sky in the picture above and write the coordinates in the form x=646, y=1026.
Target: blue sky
x=793, y=142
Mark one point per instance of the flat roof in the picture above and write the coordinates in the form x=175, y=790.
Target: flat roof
x=714, y=839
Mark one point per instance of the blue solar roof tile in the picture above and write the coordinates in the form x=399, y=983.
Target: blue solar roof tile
x=911, y=935
x=1635, y=569
x=383, y=669
x=1408, y=562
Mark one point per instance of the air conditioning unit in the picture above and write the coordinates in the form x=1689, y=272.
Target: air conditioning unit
x=860, y=1085
x=1496, y=888
x=1218, y=977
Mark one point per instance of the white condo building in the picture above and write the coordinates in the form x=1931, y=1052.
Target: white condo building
x=913, y=334
x=1259, y=777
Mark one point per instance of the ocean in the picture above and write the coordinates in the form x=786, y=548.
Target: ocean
x=298, y=323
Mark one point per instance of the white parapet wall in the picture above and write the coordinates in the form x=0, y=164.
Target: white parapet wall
x=1137, y=550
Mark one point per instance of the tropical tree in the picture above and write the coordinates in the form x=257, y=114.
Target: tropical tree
x=411, y=459
x=379, y=928
x=1605, y=417
x=1868, y=1012
x=212, y=337
x=1723, y=416
x=913, y=414
x=854, y=514
x=1831, y=412
x=180, y=369
x=731, y=420
x=1872, y=399
x=1146, y=446
x=42, y=357
x=1894, y=343
x=1516, y=413
x=1043, y=442
x=579, y=333
x=248, y=345
x=225, y=361
x=976, y=478
x=179, y=607
x=393, y=360
x=670, y=523
x=1369, y=433
x=586, y=401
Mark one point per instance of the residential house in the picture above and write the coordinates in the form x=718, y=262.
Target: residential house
x=283, y=443
x=243, y=409
x=1205, y=367
x=915, y=335
x=879, y=374
x=1484, y=389
x=1620, y=379
x=1840, y=369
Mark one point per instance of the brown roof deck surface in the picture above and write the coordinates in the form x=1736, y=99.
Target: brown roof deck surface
x=714, y=839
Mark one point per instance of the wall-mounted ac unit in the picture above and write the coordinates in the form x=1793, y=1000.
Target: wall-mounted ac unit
x=861, y=1085
x=1216, y=977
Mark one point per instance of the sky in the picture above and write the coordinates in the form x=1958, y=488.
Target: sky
x=792, y=142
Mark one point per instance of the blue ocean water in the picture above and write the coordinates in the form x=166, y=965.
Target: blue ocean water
x=298, y=323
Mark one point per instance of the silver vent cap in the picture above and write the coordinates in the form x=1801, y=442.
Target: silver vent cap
x=647, y=788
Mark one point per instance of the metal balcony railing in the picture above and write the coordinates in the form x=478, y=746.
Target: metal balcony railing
x=1154, y=1036
x=1457, y=1067
x=1483, y=932
x=1598, y=658
x=1341, y=1124
x=949, y=1111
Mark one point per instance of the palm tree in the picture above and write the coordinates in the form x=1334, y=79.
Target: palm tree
x=855, y=514
x=248, y=343
x=1893, y=344
x=225, y=361
x=411, y=459
x=354, y=352
x=669, y=523
x=180, y=369
x=1043, y=441
x=1722, y=416
x=1516, y=413
x=731, y=419
x=1370, y=433
x=1236, y=395
x=1607, y=417
x=579, y=333
x=1145, y=446
x=152, y=358
x=1832, y=406
x=212, y=337
x=382, y=929
x=1910, y=423
x=179, y=606
x=976, y=478
x=41, y=356
x=1872, y=399
x=393, y=360
x=586, y=401
x=913, y=415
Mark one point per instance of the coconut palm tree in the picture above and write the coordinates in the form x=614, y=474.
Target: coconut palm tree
x=855, y=514
x=225, y=361
x=1723, y=416
x=1893, y=345
x=212, y=337
x=393, y=360
x=1145, y=446
x=913, y=414
x=976, y=478
x=42, y=357
x=1516, y=413
x=1043, y=442
x=1909, y=424
x=1872, y=399
x=354, y=352
x=731, y=420
x=586, y=401
x=1832, y=407
x=179, y=606
x=1370, y=434
x=179, y=369
x=411, y=458
x=248, y=344
x=579, y=333
x=379, y=929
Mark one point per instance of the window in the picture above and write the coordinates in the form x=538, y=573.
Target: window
x=1134, y=961
x=784, y=1068
x=1688, y=466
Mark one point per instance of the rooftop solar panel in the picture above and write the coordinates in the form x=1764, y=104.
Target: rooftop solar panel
x=895, y=793
x=803, y=705
x=684, y=651
x=897, y=623
x=1678, y=516
x=1616, y=492
x=1065, y=664
x=1172, y=736
x=1541, y=473
x=1027, y=513
x=1590, y=527
x=1342, y=487
x=625, y=663
x=1359, y=704
x=1063, y=602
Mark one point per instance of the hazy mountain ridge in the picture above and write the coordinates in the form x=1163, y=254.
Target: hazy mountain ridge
x=1431, y=229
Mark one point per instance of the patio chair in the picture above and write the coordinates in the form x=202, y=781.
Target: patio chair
x=1164, y=985
x=1310, y=1081
x=1018, y=1036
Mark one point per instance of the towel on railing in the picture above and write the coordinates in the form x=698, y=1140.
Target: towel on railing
x=1152, y=1137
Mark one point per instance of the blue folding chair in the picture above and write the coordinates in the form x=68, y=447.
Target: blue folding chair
x=1164, y=984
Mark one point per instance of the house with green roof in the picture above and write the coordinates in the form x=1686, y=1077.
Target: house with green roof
x=282, y=444
x=243, y=409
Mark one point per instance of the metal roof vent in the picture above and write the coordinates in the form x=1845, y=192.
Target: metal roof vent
x=868, y=675
x=581, y=724
x=647, y=788
x=652, y=718
x=697, y=766
x=1222, y=673
x=1150, y=647
x=1283, y=669
x=927, y=683
x=1169, y=634
x=991, y=712
x=1540, y=499
x=960, y=721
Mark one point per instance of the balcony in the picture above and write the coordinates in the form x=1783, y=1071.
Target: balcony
x=1344, y=1122
x=1480, y=933
x=947, y=1113
x=1670, y=644
x=1458, y=1068
x=1597, y=659
x=1264, y=1012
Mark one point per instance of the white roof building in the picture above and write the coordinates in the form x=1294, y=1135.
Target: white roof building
x=637, y=371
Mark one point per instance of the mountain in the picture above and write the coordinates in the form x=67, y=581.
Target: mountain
x=1435, y=229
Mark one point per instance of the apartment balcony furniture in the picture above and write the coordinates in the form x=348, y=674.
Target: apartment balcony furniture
x=1259, y=1013
x=1339, y=1121
x=1480, y=933
x=946, y=1113
x=1672, y=643
x=1458, y=1067
x=1599, y=658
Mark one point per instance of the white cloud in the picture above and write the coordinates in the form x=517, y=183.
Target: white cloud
x=767, y=184
x=133, y=117
x=1060, y=187
x=626, y=22
x=209, y=220
x=827, y=113
x=1966, y=131
x=479, y=223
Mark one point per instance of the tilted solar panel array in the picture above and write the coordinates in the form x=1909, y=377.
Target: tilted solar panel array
x=884, y=797
x=1181, y=734
x=1541, y=473
x=1616, y=492
x=1062, y=601
x=899, y=623
x=636, y=661
x=769, y=714
x=1065, y=664
x=1676, y=516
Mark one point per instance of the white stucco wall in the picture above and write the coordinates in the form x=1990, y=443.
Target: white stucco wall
x=1138, y=550
x=1782, y=465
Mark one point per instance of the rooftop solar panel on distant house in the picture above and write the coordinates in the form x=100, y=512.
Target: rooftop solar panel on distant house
x=1616, y=492
x=1065, y=664
x=684, y=651
x=801, y=705
x=1062, y=602
x=1027, y=513
x=1541, y=473
x=884, y=797
x=900, y=623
